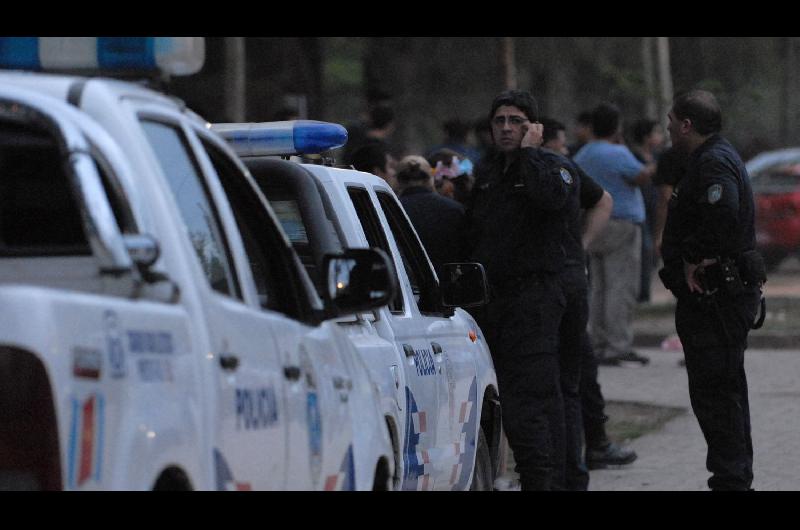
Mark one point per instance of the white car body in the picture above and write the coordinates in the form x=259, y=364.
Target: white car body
x=170, y=383
x=434, y=370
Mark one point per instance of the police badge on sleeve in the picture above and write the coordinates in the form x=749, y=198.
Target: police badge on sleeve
x=714, y=193
x=566, y=176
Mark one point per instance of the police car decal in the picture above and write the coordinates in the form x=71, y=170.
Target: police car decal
x=313, y=416
x=86, y=362
x=85, y=450
x=417, y=463
x=116, y=350
x=344, y=480
x=424, y=363
x=256, y=408
x=466, y=448
x=225, y=480
x=714, y=193
x=141, y=341
x=155, y=370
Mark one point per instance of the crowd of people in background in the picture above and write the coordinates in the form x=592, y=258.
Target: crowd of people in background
x=623, y=217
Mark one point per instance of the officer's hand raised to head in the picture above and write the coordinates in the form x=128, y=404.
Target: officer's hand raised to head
x=533, y=135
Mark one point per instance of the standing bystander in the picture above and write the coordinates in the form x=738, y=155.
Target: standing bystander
x=587, y=421
x=647, y=138
x=615, y=255
x=439, y=221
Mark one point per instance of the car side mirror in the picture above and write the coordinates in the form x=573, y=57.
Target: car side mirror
x=358, y=280
x=464, y=285
x=142, y=248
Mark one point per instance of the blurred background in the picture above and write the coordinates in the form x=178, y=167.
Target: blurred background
x=429, y=80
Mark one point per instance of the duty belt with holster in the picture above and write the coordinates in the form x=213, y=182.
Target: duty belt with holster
x=726, y=278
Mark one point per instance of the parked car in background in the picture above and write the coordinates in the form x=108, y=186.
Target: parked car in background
x=775, y=177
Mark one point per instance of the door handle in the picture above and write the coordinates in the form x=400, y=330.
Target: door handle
x=228, y=361
x=292, y=373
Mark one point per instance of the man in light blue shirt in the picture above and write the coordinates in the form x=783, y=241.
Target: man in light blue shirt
x=615, y=255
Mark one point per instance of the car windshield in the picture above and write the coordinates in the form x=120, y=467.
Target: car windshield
x=777, y=178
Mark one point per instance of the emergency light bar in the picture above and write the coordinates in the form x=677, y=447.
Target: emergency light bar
x=298, y=137
x=171, y=55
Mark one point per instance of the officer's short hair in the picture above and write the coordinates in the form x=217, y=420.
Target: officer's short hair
x=605, y=120
x=550, y=128
x=521, y=99
x=702, y=108
x=369, y=156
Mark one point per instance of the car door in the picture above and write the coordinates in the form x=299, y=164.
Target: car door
x=448, y=337
x=423, y=445
x=318, y=378
x=250, y=420
x=306, y=214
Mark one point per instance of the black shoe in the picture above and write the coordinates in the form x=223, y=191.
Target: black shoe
x=610, y=454
x=633, y=357
x=608, y=361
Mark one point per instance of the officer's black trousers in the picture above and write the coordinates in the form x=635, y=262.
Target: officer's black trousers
x=592, y=402
x=714, y=340
x=573, y=341
x=522, y=326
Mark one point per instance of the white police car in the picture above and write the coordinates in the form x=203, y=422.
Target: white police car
x=429, y=358
x=158, y=330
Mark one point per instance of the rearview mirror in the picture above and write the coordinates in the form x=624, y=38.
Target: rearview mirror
x=463, y=285
x=358, y=280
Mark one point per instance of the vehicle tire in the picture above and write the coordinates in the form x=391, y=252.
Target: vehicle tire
x=482, y=476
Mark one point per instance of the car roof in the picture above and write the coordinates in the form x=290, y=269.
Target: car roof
x=771, y=158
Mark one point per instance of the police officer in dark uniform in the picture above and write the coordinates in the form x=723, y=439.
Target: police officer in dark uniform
x=518, y=222
x=711, y=266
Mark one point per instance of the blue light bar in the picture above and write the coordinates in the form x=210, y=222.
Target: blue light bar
x=284, y=138
x=172, y=55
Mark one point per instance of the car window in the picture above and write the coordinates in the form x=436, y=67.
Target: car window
x=266, y=253
x=374, y=232
x=39, y=215
x=414, y=258
x=195, y=205
x=778, y=177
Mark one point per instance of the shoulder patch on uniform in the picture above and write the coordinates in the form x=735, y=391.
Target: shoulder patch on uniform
x=714, y=193
x=566, y=176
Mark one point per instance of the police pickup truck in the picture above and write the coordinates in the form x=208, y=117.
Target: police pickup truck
x=429, y=358
x=158, y=330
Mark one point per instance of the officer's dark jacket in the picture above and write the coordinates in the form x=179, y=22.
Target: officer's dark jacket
x=589, y=194
x=711, y=212
x=518, y=219
x=440, y=223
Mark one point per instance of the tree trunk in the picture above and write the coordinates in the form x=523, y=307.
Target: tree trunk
x=235, y=79
x=509, y=63
x=312, y=47
x=787, y=86
x=651, y=109
x=665, y=78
